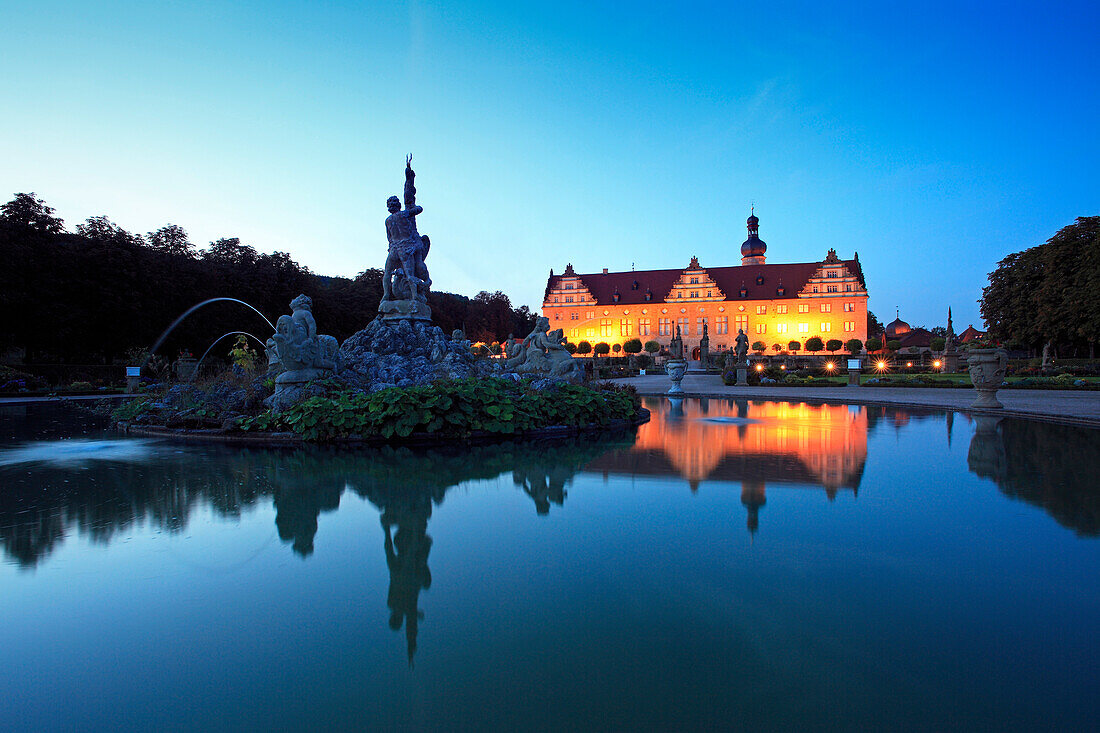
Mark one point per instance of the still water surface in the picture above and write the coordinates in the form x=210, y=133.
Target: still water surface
x=731, y=564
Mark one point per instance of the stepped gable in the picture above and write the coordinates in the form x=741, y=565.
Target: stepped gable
x=792, y=277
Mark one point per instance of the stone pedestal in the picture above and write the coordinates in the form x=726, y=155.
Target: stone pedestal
x=742, y=375
x=133, y=378
x=404, y=310
x=951, y=362
x=676, y=369
x=853, y=377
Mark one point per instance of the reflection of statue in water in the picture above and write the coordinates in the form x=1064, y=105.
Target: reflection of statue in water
x=405, y=280
x=297, y=352
x=742, y=347
x=407, y=558
x=542, y=353
x=544, y=484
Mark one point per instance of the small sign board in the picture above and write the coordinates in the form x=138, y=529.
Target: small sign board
x=853, y=364
x=133, y=371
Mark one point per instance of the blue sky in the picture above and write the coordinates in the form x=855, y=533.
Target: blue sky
x=932, y=139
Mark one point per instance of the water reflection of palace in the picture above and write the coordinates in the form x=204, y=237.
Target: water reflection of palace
x=754, y=443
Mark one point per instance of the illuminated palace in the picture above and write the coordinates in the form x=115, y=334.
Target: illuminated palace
x=772, y=303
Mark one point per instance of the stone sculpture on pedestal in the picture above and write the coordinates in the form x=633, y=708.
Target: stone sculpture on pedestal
x=950, y=352
x=298, y=353
x=542, y=353
x=742, y=350
x=405, y=280
x=704, y=348
x=676, y=366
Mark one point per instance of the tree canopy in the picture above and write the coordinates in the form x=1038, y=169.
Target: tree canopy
x=94, y=295
x=1048, y=292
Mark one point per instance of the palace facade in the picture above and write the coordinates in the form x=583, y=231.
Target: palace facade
x=772, y=303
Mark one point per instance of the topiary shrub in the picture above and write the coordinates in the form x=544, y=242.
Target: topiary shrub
x=814, y=344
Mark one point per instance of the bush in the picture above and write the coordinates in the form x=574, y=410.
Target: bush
x=814, y=344
x=854, y=346
x=938, y=343
x=570, y=347
x=81, y=386
x=833, y=345
x=759, y=347
x=652, y=347
x=893, y=345
x=584, y=348
x=601, y=348
x=794, y=346
x=632, y=346
x=454, y=409
x=643, y=360
x=616, y=348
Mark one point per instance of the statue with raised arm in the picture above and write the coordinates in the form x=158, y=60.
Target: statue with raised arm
x=405, y=280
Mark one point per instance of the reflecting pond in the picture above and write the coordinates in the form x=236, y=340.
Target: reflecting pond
x=732, y=563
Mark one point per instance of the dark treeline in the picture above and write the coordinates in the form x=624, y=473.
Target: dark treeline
x=101, y=292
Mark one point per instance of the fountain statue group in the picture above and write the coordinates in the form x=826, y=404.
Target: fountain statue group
x=400, y=347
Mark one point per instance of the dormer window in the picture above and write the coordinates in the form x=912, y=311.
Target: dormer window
x=781, y=291
x=634, y=286
x=694, y=281
x=615, y=297
x=744, y=292
x=648, y=295
x=759, y=279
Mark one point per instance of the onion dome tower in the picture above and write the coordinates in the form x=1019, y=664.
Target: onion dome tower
x=752, y=251
x=897, y=327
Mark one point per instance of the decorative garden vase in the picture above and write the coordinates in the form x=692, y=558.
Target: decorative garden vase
x=987, y=372
x=676, y=369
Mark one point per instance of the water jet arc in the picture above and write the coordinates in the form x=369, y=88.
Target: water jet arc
x=215, y=343
x=191, y=310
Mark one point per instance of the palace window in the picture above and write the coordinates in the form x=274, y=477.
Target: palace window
x=590, y=315
x=574, y=332
x=626, y=326
x=722, y=324
x=741, y=323
x=695, y=293
x=694, y=281
x=590, y=333
x=761, y=310
x=803, y=307
x=643, y=327
x=849, y=326
x=781, y=328
x=605, y=326
x=664, y=326
x=803, y=328
x=849, y=307
x=573, y=316
x=680, y=294
x=683, y=323
x=832, y=289
x=708, y=294
x=781, y=309
x=699, y=323
x=761, y=328
x=832, y=273
x=826, y=327
x=848, y=288
x=826, y=307
x=569, y=286
x=569, y=299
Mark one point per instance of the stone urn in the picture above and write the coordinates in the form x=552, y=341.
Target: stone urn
x=676, y=369
x=987, y=372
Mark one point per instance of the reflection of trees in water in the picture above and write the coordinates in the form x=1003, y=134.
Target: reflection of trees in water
x=1048, y=465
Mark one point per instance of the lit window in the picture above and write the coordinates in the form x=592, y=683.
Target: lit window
x=826, y=327
x=625, y=327
x=849, y=307
x=781, y=309
x=781, y=328
x=683, y=324
x=803, y=328
x=605, y=326
x=849, y=326
x=761, y=328
x=590, y=314
x=826, y=307
x=590, y=332
x=722, y=324
x=643, y=326
x=803, y=307
x=761, y=310
x=664, y=326
x=741, y=323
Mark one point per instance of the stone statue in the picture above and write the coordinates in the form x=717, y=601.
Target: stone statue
x=742, y=347
x=405, y=280
x=1048, y=362
x=542, y=353
x=704, y=347
x=949, y=339
x=300, y=353
x=676, y=346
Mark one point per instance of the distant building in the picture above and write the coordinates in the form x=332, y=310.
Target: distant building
x=772, y=303
x=908, y=338
x=970, y=334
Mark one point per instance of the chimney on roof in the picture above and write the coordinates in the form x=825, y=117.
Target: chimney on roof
x=605, y=270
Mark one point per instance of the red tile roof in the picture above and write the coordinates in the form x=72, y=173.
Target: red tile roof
x=730, y=280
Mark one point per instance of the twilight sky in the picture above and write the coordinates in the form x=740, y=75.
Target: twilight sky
x=932, y=139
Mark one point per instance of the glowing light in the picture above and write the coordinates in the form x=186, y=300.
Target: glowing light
x=908, y=363
x=937, y=364
x=759, y=367
x=783, y=367
x=881, y=366
x=830, y=366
